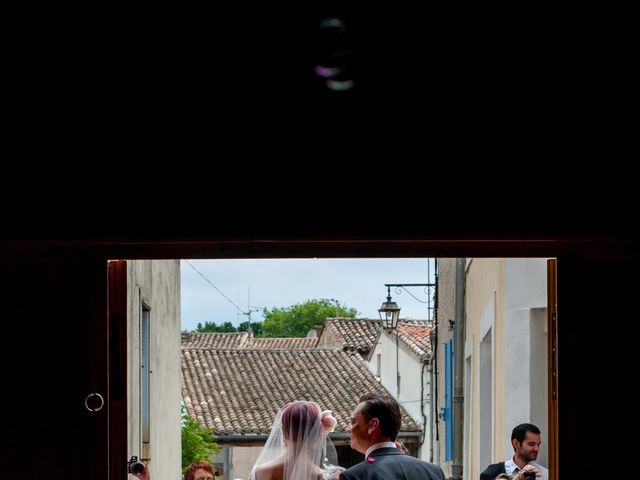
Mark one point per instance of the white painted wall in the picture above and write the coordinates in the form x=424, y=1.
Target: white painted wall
x=243, y=459
x=539, y=383
x=525, y=280
x=525, y=349
x=485, y=400
x=156, y=284
x=410, y=369
x=486, y=382
x=505, y=354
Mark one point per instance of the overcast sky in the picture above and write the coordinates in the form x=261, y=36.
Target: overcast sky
x=357, y=283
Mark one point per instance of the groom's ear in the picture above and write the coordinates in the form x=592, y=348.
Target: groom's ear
x=373, y=424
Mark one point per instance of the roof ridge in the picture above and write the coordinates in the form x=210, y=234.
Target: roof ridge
x=283, y=338
x=216, y=333
x=293, y=350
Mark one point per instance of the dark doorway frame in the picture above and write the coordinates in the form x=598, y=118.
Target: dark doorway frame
x=580, y=260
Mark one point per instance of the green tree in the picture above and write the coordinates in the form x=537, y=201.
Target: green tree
x=298, y=319
x=255, y=326
x=198, y=442
x=213, y=327
x=207, y=327
x=227, y=327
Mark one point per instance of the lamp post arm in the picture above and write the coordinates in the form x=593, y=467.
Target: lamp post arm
x=402, y=286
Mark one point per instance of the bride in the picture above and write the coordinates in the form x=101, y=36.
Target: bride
x=298, y=447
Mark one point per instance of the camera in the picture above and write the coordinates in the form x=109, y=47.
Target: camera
x=529, y=476
x=134, y=466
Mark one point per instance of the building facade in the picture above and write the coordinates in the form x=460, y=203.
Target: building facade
x=153, y=365
x=504, y=360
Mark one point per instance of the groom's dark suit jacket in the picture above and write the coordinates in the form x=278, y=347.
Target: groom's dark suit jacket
x=390, y=464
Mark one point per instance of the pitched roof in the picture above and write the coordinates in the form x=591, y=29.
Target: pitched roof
x=416, y=335
x=242, y=340
x=355, y=334
x=216, y=340
x=240, y=391
x=263, y=343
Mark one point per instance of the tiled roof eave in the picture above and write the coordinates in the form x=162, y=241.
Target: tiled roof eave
x=416, y=352
x=237, y=392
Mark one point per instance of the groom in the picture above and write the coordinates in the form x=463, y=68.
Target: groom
x=375, y=423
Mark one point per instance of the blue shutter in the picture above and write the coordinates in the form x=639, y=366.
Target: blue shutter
x=448, y=399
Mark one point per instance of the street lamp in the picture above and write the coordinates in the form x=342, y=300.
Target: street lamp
x=389, y=312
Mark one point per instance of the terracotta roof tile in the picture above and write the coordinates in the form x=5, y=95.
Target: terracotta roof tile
x=355, y=334
x=242, y=340
x=416, y=335
x=216, y=340
x=240, y=391
x=281, y=343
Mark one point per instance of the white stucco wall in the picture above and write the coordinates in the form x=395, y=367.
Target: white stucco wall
x=156, y=284
x=243, y=459
x=483, y=347
x=526, y=279
x=526, y=351
x=505, y=298
x=328, y=339
x=410, y=369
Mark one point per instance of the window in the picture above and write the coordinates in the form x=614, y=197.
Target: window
x=485, y=400
x=144, y=375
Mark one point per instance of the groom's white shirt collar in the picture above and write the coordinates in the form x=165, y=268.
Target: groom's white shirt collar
x=378, y=446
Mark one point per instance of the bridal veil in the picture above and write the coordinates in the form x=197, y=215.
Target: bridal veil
x=298, y=447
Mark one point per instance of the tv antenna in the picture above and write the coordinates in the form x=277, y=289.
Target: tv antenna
x=250, y=308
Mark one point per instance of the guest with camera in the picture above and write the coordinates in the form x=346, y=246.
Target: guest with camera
x=525, y=439
x=527, y=473
x=138, y=469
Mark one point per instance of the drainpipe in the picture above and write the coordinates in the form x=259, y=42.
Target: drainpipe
x=458, y=351
x=425, y=364
x=434, y=456
x=435, y=417
x=427, y=421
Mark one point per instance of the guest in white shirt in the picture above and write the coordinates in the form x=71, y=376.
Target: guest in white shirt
x=525, y=439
